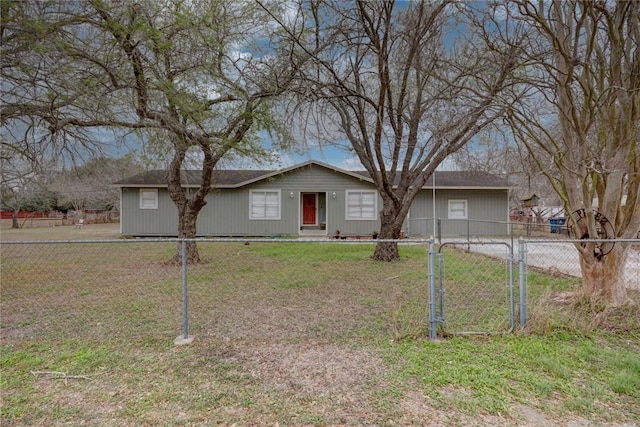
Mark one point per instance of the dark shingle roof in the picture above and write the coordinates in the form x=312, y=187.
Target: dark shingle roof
x=467, y=179
x=237, y=178
x=193, y=178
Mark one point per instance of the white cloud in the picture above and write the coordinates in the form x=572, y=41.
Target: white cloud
x=351, y=163
x=448, y=165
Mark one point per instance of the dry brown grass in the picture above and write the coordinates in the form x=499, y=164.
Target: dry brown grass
x=578, y=313
x=284, y=335
x=47, y=230
x=277, y=340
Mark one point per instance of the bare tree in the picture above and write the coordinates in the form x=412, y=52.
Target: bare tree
x=13, y=188
x=21, y=187
x=196, y=76
x=406, y=84
x=88, y=186
x=495, y=151
x=581, y=78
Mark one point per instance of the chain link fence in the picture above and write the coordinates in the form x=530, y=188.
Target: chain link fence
x=473, y=293
x=552, y=268
x=561, y=258
x=488, y=285
x=279, y=289
x=473, y=229
x=95, y=290
x=130, y=289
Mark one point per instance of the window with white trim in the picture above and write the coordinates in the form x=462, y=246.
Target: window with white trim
x=148, y=198
x=457, y=209
x=361, y=204
x=264, y=204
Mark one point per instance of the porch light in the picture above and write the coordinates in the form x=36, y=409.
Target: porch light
x=333, y=195
x=291, y=195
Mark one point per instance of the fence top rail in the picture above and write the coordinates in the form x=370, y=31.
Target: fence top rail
x=489, y=221
x=474, y=242
x=218, y=240
x=579, y=241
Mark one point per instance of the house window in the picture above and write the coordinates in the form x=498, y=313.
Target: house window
x=148, y=198
x=457, y=209
x=264, y=204
x=361, y=204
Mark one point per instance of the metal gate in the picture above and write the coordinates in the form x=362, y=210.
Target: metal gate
x=471, y=288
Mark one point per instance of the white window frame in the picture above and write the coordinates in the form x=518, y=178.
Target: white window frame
x=453, y=211
x=149, y=202
x=275, y=217
x=349, y=216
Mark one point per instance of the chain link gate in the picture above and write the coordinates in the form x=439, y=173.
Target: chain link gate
x=471, y=288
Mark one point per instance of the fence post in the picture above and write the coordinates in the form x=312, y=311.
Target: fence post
x=439, y=256
x=510, y=225
x=522, y=274
x=511, y=287
x=184, y=338
x=433, y=320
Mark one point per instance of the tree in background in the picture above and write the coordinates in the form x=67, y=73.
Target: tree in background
x=88, y=186
x=22, y=188
x=403, y=84
x=578, y=108
x=496, y=152
x=197, y=76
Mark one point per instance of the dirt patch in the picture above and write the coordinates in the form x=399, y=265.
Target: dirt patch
x=313, y=370
x=417, y=410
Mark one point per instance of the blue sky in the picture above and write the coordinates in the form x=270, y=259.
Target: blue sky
x=330, y=155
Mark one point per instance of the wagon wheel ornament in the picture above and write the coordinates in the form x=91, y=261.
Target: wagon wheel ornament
x=604, y=228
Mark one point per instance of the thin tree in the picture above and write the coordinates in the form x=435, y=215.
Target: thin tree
x=405, y=84
x=15, y=185
x=581, y=113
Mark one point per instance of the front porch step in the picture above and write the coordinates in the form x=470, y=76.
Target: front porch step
x=313, y=232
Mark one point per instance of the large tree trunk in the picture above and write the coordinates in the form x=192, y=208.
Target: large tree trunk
x=187, y=230
x=189, y=207
x=603, y=277
x=391, y=220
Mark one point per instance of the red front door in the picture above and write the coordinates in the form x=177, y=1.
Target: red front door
x=308, y=209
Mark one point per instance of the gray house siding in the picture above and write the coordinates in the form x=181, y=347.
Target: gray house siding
x=227, y=212
x=134, y=221
x=487, y=213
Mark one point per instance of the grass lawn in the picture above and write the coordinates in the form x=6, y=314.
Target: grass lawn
x=290, y=334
